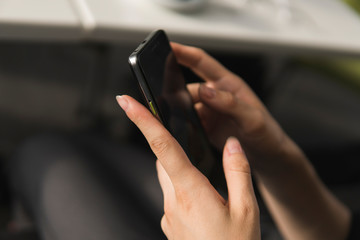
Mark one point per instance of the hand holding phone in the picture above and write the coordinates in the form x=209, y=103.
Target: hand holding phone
x=193, y=209
x=163, y=85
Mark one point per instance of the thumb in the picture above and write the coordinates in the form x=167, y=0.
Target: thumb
x=238, y=177
x=247, y=115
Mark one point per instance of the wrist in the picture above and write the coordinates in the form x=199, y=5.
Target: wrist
x=289, y=159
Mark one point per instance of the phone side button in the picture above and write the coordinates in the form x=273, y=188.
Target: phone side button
x=152, y=108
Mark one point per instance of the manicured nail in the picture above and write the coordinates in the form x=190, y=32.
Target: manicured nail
x=122, y=102
x=208, y=92
x=233, y=145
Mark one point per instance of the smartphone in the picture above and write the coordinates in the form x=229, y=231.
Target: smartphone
x=164, y=88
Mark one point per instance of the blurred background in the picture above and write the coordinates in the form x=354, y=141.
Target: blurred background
x=62, y=62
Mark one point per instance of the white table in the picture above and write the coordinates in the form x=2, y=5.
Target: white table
x=55, y=20
x=326, y=26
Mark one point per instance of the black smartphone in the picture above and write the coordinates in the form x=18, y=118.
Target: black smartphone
x=164, y=87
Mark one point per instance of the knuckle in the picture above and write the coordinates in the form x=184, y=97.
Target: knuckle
x=240, y=166
x=229, y=100
x=199, y=53
x=250, y=211
x=255, y=126
x=165, y=225
x=162, y=222
x=187, y=195
x=185, y=200
x=160, y=145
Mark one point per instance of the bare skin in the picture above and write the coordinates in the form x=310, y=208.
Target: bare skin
x=301, y=205
x=193, y=208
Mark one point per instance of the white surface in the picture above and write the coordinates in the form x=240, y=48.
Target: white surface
x=182, y=5
x=39, y=19
x=316, y=25
x=85, y=15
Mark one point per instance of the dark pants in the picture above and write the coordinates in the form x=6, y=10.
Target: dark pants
x=86, y=188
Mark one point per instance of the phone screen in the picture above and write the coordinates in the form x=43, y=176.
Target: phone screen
x=172, y=101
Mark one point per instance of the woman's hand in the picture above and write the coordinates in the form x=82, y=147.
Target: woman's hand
x=302, y=207
x=193, y=208
x=228, y=107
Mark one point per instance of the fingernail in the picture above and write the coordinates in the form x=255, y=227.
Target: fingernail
x=208, y=92
x=233, y=145
x=122, y=102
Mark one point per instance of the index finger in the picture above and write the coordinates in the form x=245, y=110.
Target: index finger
x=199, y=62
x=162, y=143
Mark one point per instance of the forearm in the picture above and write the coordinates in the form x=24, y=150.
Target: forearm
x=301, y=205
